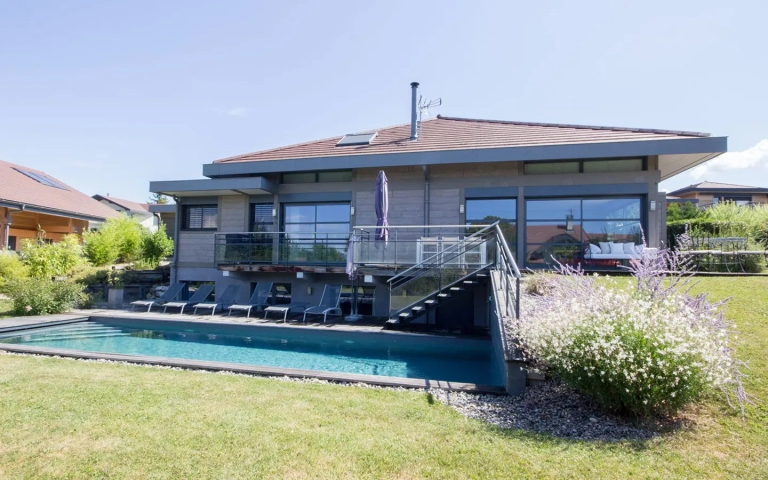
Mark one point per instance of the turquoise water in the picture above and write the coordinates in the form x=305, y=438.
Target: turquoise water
x=371, y=354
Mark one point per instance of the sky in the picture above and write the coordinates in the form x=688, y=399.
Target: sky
x=107, y=96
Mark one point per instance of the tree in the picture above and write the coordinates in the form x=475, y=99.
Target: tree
x=158, y=198
x=116, y=239
x=155, y=246
x=682, y=211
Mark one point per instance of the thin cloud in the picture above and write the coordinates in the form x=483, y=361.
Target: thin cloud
x=752, y=157
x=233, y=112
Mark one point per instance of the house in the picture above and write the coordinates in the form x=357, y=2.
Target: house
x=138, y=211
x=284, y=215
x=34, y=204
x=706, y=193
x=166, y=213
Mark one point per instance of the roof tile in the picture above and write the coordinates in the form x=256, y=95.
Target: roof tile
x=451, y=133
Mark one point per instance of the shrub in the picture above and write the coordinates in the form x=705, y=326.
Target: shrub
x=645, y=349
x=11, y=267
x=155, y=246
x=41, y=296
x=762, y=234
x=117, y=239
x=682, y=211
x=46, y=260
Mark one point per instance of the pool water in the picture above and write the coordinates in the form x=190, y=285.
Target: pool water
x=409, y=356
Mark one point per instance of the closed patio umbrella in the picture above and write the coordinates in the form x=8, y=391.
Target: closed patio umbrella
x=381, y=205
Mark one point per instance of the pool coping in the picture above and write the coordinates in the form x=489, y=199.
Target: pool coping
x=257, y=370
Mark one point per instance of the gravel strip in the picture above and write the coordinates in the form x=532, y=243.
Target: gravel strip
x=551, y=408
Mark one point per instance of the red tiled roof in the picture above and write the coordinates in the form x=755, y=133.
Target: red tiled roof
x=15, y=187
x=450, y=133
x=125, y=204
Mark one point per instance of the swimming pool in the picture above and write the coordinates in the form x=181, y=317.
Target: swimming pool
x=368, y=353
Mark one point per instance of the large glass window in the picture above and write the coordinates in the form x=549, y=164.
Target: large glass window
x=562, y=229
x=316, y=232
x=261, y=217
x=200, y=217
x=489, y=210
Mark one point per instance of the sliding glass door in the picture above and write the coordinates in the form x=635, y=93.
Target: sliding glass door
x=562, y=229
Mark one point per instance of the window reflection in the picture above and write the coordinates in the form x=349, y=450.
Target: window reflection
x=489, y=210
x=562, y=229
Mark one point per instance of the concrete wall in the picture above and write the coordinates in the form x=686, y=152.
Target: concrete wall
x=195, y=249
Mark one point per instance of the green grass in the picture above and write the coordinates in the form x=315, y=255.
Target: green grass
x=71, y=419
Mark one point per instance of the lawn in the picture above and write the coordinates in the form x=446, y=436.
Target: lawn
x=65, y=418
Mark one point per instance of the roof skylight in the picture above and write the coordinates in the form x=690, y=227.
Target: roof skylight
x=356, y=139
x=41, y=179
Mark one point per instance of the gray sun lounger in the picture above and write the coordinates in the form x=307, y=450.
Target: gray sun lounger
x=285, y=309
x=170, y=294
x=199, y=296
x=329, y=303
x=259, y=299
x=225, y=299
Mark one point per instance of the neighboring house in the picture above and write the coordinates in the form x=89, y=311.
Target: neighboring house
x=32, y=202
x=167, y=215
x=555, y=188
x=138, y=211
x=705, y=194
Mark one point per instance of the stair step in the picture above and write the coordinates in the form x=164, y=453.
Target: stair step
x=429, y=303
x=457, y=289
x=442, y=296
x=416, y=310
x=404, y=316
x=469, y=282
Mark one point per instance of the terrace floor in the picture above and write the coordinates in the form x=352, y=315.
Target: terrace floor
x=367, y=323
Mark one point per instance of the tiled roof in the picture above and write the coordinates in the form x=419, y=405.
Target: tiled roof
x=451, y=133
x=710, y=186
x=724, y=186
x=124, y=204
x=15, y=187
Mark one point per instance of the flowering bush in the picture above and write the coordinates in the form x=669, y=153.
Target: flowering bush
x=646, y=348
x=40, y=296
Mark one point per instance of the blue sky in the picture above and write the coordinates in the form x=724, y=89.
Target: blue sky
x=107, y=96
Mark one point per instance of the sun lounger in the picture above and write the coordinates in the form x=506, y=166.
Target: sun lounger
x=225, y=299
x=259, y=299
x=285, y=309
x=199, y=296
x=329, y=303
x=170, y=294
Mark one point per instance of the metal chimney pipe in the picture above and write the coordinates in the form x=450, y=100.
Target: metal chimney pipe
x=414, y=90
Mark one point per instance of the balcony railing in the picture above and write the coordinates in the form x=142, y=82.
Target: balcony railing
x=406, y=246
x=412, y=244
x=249, y=248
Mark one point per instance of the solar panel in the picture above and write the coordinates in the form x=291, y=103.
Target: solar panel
x=41, y=179
x=356, y=139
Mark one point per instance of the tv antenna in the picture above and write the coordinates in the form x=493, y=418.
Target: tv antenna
x=425, y=105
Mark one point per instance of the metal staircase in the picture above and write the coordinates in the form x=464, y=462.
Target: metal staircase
x=448, y=279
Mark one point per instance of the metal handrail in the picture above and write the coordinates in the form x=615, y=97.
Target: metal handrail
x=441, y=253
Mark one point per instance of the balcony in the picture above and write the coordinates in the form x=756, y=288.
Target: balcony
x=269, y=249
x=413, y=244
x=407, y=246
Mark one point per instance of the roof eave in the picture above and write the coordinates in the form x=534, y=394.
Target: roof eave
x=673, y=146
x=51, y=211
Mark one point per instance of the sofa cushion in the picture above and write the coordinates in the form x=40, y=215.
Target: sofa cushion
x=629, y=248
x=617, y=248
x=594, y=249
x=605, y=247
